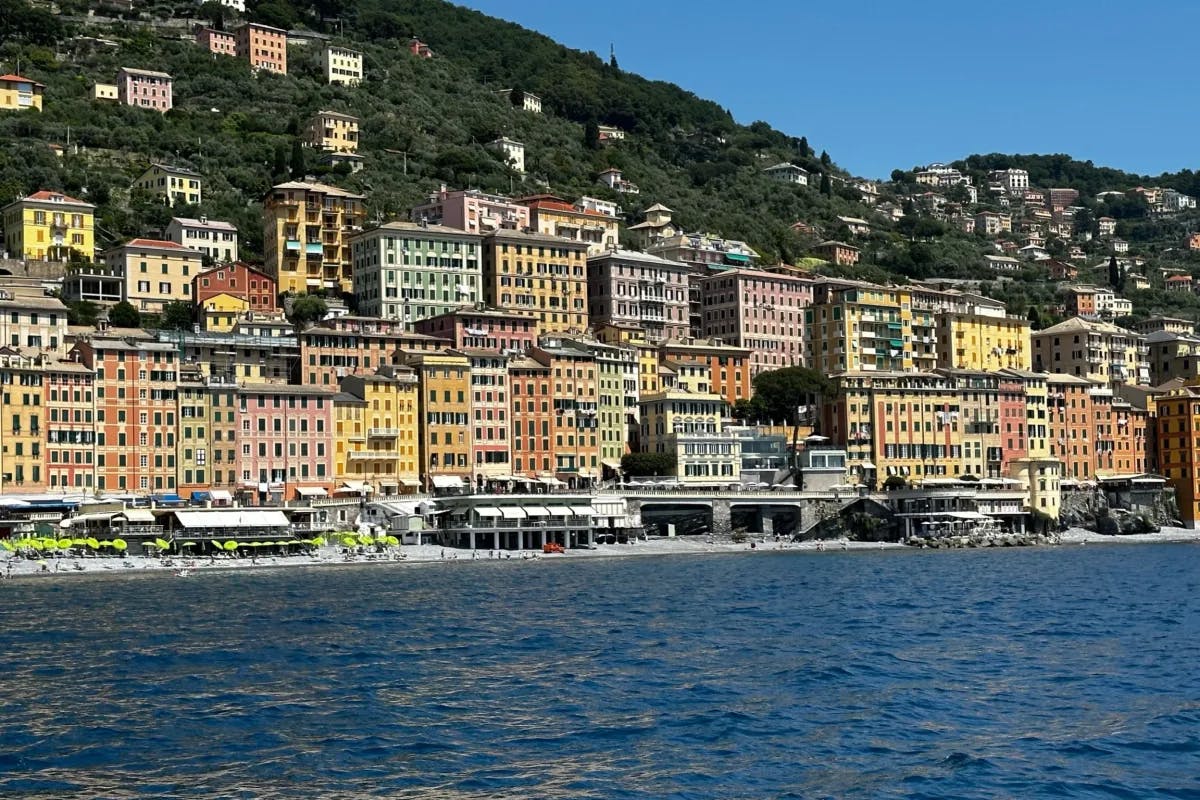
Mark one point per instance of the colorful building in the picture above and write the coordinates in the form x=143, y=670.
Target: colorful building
x=760, y=311
x=306, y=230
x=135, y=390
x=977, y=340
x=352, y=345
x=22, y=421
x=145, y=89
x=221, y=43
x=377, y=444
x=491, y=455
x=1092, y=349
x=853, y=326
x=1178, y=426
x=544, y=275
x=263, y=47
x=215, y=238
x=1071, y=425
x=285, y=441
x=688, y=425
x=152, y=272
x=208, y=428
x=48, y=226
x=255, y=288
x=445, y=421
x=729, y=366
x=554, y=216
x=410, y=271
x=332, y=132
x=533, y=449
x=472, y=211
x=19, y=94
x=32, y=322
x=70, y=424
x=482, y=328
x=639, y=290
x=220, y=313
x=343, y=65
x=574, y=398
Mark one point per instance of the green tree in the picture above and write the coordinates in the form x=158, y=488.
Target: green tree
x=124, y=315
x=177, y=316
x=517, y=97
x=591, y=135
x=826, y=161
x=805, y=150
x=280, y=171
x=642, y=464
x=783, y=392
x=298, y=168
x=826, y=185
x=308, y=309
x=82, y=312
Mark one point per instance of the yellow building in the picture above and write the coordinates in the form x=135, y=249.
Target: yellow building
x=206, y=463
x=19, y=94
x=444, y=380
x=1094, y=350
x=21, y=421
x=975, y=341
x=554, y=216
x=532, y=272
x=49, y=226
x=172, y=184
x=649, y=381
x=689, y=426
x=1178, y=452
x=153, y=273
x=32, y=321
x=306, y=230
x=222, y=312
x=376, y=432
x=106, y=92
x=332, y=132
x=853, y=326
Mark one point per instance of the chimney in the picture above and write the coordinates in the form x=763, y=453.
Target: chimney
x=203, y=220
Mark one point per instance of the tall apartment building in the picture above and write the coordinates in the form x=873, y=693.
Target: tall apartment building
x=533, y=449
x=444, y=380
x=70, y=424
x=1092, y=349
x=380, y=448
x=353, y=345
x=575, y=404
x=491, y=456
x=975, y=338
x=1178, y=431
x=48, y=226
x=760, y=311
x=853, y=326
x=208, y=428
x=332, y=131
x=135, y=391
x=285, y=442
x=473, y=211
x=689, y=425
x=410, y=271
x=1072, y=439
x=152, y=272
x=22, y=421
x=637, y=289
x=554, y=216
x=145, y=88
x=543, y=275
x=617, y=395
x=263, y=47
x=306, y=230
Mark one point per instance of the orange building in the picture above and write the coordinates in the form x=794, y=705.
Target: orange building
x=135, y=385
x=1072, y=425
x=335, y=348
x=532, y=419
x=1129, y=437
x=70, y=426
x=575, y=407
x=729, y=366
x=263, y=46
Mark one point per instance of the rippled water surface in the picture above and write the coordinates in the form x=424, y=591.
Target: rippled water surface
x=1071, y=672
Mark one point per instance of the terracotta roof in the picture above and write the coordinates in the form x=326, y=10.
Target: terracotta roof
x=20, y=79
x=46, y=194
x=158, y=243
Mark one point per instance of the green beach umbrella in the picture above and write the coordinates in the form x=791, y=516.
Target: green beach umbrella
x=231, y=545
x=93, y=543
x=392, y=540
x=349, y=541
x=162, y=544
x=65, y=544
x=105, y=543
x=188, y=544
x=79, y=542
x=120, y=544
x=365, y=539
x=217, y=545
x=36, y=544
x=7, y=545
x=319, y=541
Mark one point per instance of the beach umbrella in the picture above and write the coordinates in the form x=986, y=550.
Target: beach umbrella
x=8, y=545
x=392, y=540
x=48, y=544
x=365, y=539
x=119, y=545
x=349, y=541
x=79, y=542
x=188, y=544
x=318, y=541
x=104, y=543
x=93, y=543
x=161, y=544
x=231, y=545
x=65, y=544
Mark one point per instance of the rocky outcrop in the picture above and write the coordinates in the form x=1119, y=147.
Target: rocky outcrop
x=1027, y=539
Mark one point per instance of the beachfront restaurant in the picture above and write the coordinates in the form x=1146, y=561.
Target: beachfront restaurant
x=203, y=526
x=516, y=522
x=136, y=526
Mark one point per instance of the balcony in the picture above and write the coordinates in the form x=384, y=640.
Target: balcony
x=384, y=433
x=368, y=455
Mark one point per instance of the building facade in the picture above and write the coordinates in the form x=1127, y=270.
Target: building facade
x=306, y=230
x=49, y=226
x=760, y=311
x=154, y=272
x=256, y=289
x=285, y=442
x=145, y=89
x=538, y=274
x=410, y=271
x=214, y=238
x=472, y=211
x=175, y=185
x=637, y=289
x=343, y=65
x=19, y=94
x=263, y=47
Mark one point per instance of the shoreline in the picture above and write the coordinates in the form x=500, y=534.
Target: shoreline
x=331, y=556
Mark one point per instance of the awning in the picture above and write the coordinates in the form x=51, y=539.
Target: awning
x=447, y=482
x=583, y=511
x=737, y=258
x=221, y=494
x=536, y=511
x=867, y=465
x=552, y=481
x=487, y=511
x=559, y=511
x=355, y=487
x=303, y=511
x=201, y=497
x=311, y=491
x=611, y=464
x=410, y=482
x=137, y=515
x=85, y=518
x=167, y=498
x=511, y=512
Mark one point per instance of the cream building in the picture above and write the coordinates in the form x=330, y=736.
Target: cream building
x=153, y=273
x=343, y=65
x=332, y=132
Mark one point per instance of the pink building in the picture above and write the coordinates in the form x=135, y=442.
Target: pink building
x=472, y=210
x=491, y=456
x=222, y=43
x=483, y=329
x=145, y=89
x=285, y=443
x=758, y=310
x=638, y=289
x=419, y=48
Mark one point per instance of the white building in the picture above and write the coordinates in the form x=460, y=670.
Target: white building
x=1014, y=181
x=529, y=102
x=513, y=152
x=343, y=65
x=614, y=179
x=213, y=237
x=788, y=173
x=236, y=5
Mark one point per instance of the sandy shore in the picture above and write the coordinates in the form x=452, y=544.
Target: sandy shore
x=13, y=567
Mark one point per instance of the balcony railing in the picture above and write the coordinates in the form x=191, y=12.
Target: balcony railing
x=383, y=433
x=364, y=455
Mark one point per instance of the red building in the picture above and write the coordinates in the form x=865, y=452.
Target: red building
x=483, y=329
x=532, y=418
x=1014, y=431
x=1071, y=425
x=257, y=288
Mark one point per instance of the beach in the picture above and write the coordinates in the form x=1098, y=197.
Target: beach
x=15, y=567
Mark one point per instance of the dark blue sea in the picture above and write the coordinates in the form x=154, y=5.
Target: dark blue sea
x=1070, y=672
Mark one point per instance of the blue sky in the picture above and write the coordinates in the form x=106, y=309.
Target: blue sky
x=895, y=84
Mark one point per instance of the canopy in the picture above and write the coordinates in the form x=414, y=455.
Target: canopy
x=137, y=515
x=510, y=512
x=559, y=511
x=167, y=498
x=410, y=482
x=222, y=495
x=354, y=486
x=583, y=511
x=536, y=511
x=311, y=491
x=447, y=482
x=236, y=518
x=610, y=463
x=200, y=497
x=487, y=511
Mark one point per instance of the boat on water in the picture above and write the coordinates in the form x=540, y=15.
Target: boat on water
x=183, y=573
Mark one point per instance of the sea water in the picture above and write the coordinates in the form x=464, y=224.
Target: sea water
x=1068, y=672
